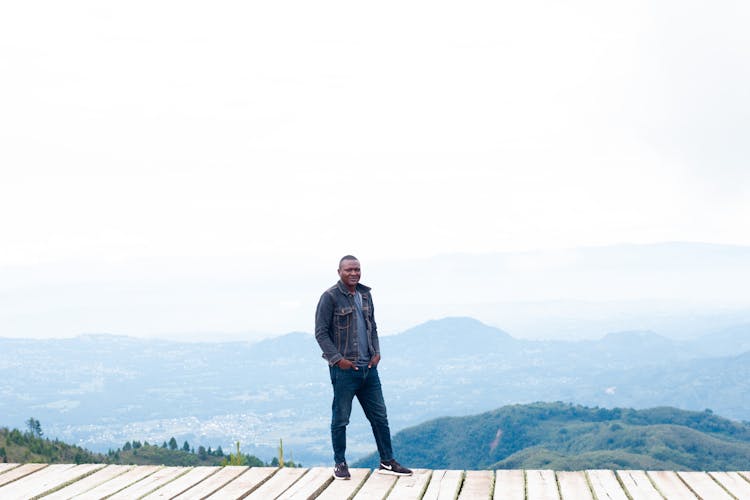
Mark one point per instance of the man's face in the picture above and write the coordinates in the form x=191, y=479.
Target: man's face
x=349, y=272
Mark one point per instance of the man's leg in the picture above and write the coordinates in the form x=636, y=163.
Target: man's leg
x=344, y=387
x=370, y=396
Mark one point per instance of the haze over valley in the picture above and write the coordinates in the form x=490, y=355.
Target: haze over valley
x=100, y=390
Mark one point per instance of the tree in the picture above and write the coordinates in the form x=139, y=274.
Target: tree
x=235, y=459
x=202, y=454
x=35, y=428
x=172, y=443
x=186, y=447
x=127, y=446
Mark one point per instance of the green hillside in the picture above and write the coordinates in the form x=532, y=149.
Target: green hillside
x=567, y=437
x=31, y=447
x=24, y=447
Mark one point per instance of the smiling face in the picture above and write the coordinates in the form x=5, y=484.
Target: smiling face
x=349, y=272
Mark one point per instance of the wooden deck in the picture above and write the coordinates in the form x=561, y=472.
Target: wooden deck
x=93, y=481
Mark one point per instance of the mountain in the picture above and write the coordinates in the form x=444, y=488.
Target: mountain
x=681, y=290
x=100, y=391
x=567, y=437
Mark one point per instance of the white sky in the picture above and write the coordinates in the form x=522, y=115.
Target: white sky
x=153, y=129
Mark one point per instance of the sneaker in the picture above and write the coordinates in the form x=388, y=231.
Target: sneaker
x=341, y=471
x=394, y=468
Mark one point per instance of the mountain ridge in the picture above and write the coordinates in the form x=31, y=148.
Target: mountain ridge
x=569, y=437
x=101, y=391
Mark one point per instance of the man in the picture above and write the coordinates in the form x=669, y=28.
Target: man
x=346, y=331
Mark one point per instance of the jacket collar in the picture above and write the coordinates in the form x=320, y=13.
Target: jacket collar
x=360, y=288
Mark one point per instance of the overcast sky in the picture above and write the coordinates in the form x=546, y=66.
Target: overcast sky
x=304, y=130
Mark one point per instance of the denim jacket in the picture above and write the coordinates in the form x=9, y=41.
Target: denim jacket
x=335, y=323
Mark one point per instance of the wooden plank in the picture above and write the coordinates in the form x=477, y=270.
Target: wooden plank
x=89, y=482
x=411, y=487
x=7, y=467
x=733, y=482
x=509, y=485
x=36, y=483
x=310, y=485
x=573, y=486
x=151, y=483
x=605, y=485
x=477, y=484
x=376, y=487
x=638, y=485
x=670, y=485
x=541, y=485
x=120, y=482
x=703, y=485
x=97, y=480
x=444, y=485
x=345, y=489
x=65, y=477
x=244, y=483
x=184, y=482
x=279, y=483
x=214, y=482
x=18, y=473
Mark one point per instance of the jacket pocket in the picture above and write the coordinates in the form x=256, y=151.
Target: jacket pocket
x=342, y=317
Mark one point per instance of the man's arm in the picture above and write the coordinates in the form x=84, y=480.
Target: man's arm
x=375, y=340
x=323, y=328
x=374, y=334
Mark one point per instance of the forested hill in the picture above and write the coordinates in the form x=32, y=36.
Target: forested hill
x=566, y=437
x=30, y=446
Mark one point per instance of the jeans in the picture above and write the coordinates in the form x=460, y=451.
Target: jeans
x=365, y=384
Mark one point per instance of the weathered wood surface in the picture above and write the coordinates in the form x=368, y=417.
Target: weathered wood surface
x=46, y=480
x=411, y=487
x=605, y=485
x=117, y=483
x=704, y=486
x=444, y=484
x=150, y=483
x=638, y=484
x=249, y=480
x=376, y=487
x=89, y=482
x=477, y=484
x=541, y=484
x=14, y=474
x=573, y=486
x=96, y=481
x=510, y=485
x=338, y=490
x=670, y=485
x=183, y=483
x=310, y=485
x=214, y=482
x=734, y=483
x=277, y=484
x=7, y=467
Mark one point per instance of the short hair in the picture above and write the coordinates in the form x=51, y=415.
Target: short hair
x=346, y=257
